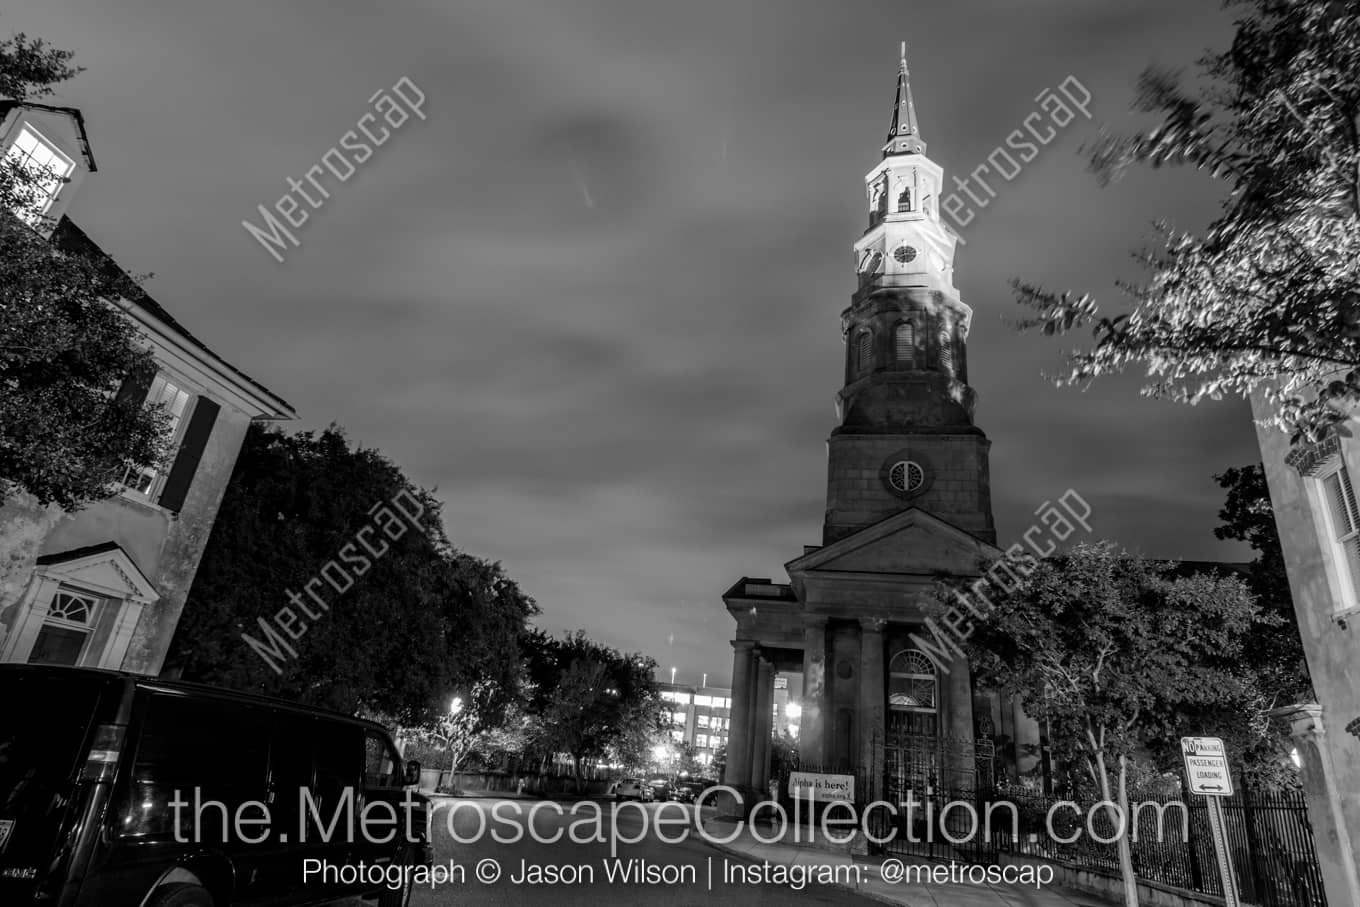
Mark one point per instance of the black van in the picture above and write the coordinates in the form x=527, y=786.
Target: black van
x=92, y=763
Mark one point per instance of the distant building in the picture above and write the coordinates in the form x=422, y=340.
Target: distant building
x=1316, y=513
x=700, y=717
x=104, y=586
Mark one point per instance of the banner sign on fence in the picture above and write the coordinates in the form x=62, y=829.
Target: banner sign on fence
x=826, y=788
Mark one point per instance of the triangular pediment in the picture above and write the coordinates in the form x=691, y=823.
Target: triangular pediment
x=912, y=542
x=104, y=569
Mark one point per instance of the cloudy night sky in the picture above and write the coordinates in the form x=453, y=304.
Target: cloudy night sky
x=594, y=298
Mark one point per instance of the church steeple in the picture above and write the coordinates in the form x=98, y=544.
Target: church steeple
x=904, y=136
x=905, y=407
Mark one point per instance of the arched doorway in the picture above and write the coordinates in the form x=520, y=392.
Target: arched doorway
x=912, y=744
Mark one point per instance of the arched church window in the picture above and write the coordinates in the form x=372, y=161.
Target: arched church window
x=864, y=351
x=912, y=682
x=946, y=350
x=904, y=201
x=904, y=347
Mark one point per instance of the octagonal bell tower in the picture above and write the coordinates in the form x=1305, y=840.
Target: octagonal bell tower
x=906, y=436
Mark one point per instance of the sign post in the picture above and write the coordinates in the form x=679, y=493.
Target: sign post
x=1206, y=768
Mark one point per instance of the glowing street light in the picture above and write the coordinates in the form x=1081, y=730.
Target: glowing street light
x=456, y=706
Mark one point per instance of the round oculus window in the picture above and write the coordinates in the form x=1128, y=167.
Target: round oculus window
x=904, y=254
x=906, y=476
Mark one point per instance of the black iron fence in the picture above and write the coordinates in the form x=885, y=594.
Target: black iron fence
x=1269, y=836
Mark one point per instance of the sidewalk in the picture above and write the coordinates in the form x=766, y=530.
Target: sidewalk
x=909, y=892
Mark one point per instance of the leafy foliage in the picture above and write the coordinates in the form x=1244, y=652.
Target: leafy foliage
x=591, y=700
x=1268, y=299
x=423, y=623
x=66, y=437
x=1278, y=653
x=1118, y=656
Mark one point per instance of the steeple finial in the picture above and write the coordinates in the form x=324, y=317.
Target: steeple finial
x=904, y=136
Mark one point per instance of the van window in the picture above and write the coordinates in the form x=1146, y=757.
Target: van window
x=213, y=749
x=382, y=768
x=338, y=755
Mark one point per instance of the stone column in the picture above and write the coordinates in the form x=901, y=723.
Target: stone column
x=738, y=769
x=764, y=710
x=1330, y=835
x=812, y=735
x=956, y=723
x=872, y=696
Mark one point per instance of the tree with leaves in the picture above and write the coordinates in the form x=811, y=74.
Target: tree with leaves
x=1117, y=655
x=592, y=700
x=1267, y=299
x=1248, y=517
x=423, y=623
x=67, y=436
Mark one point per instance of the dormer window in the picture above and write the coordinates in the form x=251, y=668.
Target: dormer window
x=47, y=168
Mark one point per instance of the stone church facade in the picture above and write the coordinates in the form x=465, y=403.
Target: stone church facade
x=908, y=501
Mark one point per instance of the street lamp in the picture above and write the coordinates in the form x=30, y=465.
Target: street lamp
x=455, y=707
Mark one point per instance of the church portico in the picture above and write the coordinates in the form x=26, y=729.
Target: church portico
x=908, y=502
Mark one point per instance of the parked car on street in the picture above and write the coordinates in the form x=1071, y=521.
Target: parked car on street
x=632, y=789
x=110, y=785
x=661, y=788
x=686, y=791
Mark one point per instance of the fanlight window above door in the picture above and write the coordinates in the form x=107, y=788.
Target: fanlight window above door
x=912, y=683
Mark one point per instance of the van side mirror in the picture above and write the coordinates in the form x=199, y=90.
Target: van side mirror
x=412, y=772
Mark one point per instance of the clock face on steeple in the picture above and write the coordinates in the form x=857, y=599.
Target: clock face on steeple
x=871, y=263
x=904, y=254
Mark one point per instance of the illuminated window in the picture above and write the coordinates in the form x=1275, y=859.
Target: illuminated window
x=175, y=401
x=47, y=169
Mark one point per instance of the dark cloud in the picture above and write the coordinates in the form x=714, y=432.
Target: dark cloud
x=594, y=297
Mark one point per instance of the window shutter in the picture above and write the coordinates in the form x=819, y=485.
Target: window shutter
x=866, y=350
x=190, y=452
x=946, y=352
x=906, y=344
x=1340, y=502
x=1349, y=497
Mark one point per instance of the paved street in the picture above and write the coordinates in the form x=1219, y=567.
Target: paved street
x=698, y=873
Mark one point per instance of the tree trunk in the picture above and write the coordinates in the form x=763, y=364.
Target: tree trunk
x=1122, y=845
